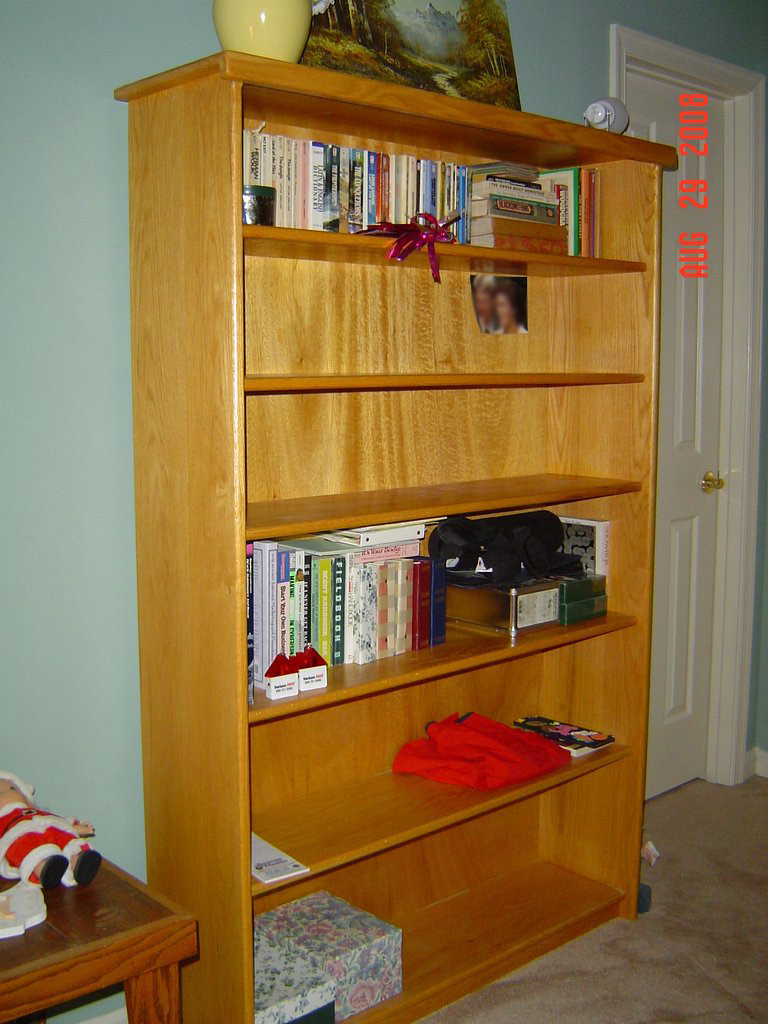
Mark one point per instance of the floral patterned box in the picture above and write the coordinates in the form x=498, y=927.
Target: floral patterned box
x=286, y=986
x=361, y=953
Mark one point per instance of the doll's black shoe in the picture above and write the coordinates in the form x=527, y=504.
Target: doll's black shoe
x=87, y=867
x=52, y=871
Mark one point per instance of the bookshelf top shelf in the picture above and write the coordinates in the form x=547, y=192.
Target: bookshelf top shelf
x=287, y=517
x=310, y=96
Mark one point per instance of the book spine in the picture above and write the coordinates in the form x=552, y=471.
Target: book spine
x=438, y=603
x=324, y=616
x=350, y=610
x=500, y=189
x=411, y=200
x=381, y=552
x=383, y=648
x=249, y=616
x=337, y=615
x=299, y=605
x=366, y=628
x=314, y=614
x=356, y=190
x=265, y=159
x=522, y=243
x=280, y=208
x=290, y=185
x=283, y=601
x=422, y=600
x=250, y=158
x=344, y=189
x=317, y=186
x=461, y=227
x=404, y=605
x=401, y=188
x=307, y=600
x=292, y=603
x=269, y=597
x=372, y=165
x=516, y=209
x=331, y=189
x=350, y=605
x=386, y=186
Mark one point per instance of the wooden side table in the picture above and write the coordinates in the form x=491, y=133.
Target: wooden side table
x=113, y=931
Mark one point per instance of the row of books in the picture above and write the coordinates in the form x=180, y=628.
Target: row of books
x=326, y=187
x=353, y=602
x=556, y=212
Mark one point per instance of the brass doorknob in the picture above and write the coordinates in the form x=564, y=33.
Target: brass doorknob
x=710, y=482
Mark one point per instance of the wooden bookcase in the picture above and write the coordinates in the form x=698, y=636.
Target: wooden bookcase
x=289, y=381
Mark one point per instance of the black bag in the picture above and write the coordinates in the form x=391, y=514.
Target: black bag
x=511, y=549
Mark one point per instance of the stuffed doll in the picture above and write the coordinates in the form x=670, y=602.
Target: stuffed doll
x=38, y=846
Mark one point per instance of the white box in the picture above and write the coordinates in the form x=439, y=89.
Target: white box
x=313, y=678
x=282, y=686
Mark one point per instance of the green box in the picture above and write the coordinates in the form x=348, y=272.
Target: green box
x=580, y=611
x=579, y=588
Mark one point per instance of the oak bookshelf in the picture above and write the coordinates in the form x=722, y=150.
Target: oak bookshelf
x=288, y=382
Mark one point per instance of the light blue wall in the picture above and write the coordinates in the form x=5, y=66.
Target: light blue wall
x=68, y=668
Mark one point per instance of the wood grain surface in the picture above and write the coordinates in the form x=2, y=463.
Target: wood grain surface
x=94, y=937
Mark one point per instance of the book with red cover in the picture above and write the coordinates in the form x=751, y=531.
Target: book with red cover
x=522, y=243
x=422, y=598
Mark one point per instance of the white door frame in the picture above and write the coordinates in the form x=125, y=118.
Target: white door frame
x=743, y=93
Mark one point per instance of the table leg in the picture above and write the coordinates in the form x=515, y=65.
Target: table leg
x=153, y=998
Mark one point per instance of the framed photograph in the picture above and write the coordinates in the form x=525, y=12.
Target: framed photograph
x=500, y=303
x=457, y=47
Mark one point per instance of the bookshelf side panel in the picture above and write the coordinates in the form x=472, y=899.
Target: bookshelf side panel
x=186, y=289
x=608, y=850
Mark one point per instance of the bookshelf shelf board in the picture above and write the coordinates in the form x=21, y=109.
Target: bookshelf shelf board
x=344, y=824
x=464, y=650
x=287, y=517
x=325, y=246
x=298, y=384
x=479, y=934
x=315, y=98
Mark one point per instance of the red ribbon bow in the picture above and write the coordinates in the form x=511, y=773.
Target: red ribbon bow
x=421, y=230
x=282, y=666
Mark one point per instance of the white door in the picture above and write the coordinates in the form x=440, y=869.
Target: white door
x=689, y=427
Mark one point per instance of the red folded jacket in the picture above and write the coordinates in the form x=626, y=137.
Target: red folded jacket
x=479, y=752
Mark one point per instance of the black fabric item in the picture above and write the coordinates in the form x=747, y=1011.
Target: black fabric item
x=515, y=548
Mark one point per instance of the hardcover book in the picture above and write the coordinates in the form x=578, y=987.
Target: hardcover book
x=338, y=584
x=316, y=185
x=576, y=739
x=331, y=188
x=422, y=602
x=590, y=540
x=249, y=616
x=283, y=601
x=366, y=625
x=438, y=603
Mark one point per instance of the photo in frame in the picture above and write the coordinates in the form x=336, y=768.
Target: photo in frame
x=500, y=303
x=456, y=47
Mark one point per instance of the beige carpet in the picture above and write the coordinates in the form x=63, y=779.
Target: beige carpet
x=699, y=956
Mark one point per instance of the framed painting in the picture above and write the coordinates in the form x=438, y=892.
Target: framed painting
x=457, y=47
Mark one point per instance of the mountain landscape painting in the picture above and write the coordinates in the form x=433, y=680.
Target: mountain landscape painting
x=457, y=47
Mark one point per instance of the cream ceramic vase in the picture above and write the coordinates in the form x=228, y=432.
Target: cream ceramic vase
x=266, y=28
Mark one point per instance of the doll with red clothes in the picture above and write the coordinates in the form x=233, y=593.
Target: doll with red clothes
x=38, y=846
